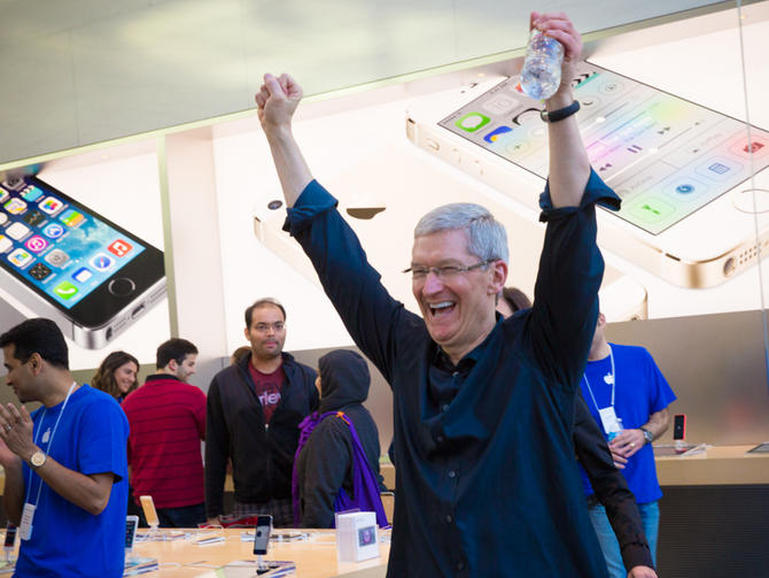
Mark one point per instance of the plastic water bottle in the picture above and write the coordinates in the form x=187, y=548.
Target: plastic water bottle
x=541, y=74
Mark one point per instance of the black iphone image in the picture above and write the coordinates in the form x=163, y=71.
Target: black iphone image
x=64, y=261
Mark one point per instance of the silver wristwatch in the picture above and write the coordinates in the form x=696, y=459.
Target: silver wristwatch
x=37, y=459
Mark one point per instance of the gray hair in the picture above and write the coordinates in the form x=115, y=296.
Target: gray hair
x=487, y=238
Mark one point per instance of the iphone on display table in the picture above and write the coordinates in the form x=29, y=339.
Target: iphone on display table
x=64, y=261
x=683, y=171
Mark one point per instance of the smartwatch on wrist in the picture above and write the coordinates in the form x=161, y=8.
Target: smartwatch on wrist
x=560, y=114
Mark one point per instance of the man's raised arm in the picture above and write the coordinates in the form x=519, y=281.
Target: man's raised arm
x=276, y=102
x=571, y=266
x=351, y=283
x=569, y=165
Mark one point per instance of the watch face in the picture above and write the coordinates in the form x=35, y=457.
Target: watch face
x=37, y=459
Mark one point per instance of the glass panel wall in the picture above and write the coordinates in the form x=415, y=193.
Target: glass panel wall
x=80, y=72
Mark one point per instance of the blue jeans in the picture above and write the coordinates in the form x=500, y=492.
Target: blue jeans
x=650, y=519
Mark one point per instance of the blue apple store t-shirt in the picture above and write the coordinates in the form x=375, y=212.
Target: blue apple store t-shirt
x=641, y=390
x=91, y=438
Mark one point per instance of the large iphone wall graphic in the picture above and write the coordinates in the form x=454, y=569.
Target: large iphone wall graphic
x=66, y=261
x=63, y=259
x=679, y=167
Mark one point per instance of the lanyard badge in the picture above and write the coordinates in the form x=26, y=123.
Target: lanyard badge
x=28, y=512
x=612, y=424
x=27, y=515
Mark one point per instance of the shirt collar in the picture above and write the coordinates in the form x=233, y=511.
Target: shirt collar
x=158, y=376
x=442, y=360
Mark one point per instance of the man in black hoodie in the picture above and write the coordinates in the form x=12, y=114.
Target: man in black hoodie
x=325, y=463
x=253, y=410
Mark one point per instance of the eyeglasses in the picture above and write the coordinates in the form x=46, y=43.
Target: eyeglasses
x=265, y=327
x=419, y=273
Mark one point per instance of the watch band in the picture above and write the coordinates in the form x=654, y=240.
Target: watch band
x=647, y=435
x=560, y=114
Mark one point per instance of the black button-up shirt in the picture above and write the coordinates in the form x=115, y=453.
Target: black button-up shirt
x=487, y=480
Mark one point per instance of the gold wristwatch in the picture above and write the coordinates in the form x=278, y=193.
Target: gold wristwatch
x=37, y=459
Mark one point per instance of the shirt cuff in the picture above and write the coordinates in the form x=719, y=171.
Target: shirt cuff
x=313, y=201
x=596, y=192
x=636, y=555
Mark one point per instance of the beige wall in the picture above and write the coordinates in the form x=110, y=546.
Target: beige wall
x=716, y=366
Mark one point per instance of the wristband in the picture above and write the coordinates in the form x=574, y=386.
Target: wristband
x=560, y=114
x=648, y=437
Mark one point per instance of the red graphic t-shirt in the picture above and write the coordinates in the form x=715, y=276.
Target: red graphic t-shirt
x=268, y=387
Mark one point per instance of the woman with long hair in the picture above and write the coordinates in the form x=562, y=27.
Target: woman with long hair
x=117, y=375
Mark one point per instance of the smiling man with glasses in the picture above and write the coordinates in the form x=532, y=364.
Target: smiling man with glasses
x=484, y=407
x=419, y=272
x=253, y=413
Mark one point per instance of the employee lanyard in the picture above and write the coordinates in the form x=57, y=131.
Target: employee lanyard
x=50, y=440
x=613, y=381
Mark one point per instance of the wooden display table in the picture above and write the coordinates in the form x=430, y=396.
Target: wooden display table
x=717, y=466
x=314, y=557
